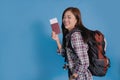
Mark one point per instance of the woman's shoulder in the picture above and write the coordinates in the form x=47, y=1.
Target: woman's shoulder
x=76, y=34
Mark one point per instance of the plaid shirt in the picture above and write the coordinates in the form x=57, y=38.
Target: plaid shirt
x=78, y=59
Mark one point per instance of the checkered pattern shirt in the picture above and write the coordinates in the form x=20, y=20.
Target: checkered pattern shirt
x=78, y=59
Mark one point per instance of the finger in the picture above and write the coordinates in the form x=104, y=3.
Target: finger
x=53, y=32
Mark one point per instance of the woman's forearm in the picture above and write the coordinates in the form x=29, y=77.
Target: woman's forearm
x=59, y=44
x=56, y=38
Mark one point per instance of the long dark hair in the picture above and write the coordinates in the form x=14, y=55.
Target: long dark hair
x=85, y=32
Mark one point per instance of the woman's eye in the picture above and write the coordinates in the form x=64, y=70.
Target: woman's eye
x=69, y=17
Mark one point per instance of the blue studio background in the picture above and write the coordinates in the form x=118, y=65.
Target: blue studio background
x=27, y=51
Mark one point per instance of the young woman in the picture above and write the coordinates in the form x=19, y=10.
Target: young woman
x=74, y=45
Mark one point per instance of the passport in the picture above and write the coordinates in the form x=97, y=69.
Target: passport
x=55, y=25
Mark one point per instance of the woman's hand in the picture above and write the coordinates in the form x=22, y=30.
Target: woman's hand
x=55, y=36
x=74, y=76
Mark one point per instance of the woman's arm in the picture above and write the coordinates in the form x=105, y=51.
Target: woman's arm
x=80, y=49
x=56, y=38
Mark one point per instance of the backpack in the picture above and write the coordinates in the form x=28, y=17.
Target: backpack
x=99, y=62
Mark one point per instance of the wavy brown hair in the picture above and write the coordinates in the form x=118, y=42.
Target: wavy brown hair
x=84, y=31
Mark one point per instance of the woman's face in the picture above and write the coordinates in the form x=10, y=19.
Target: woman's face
x=69, y=20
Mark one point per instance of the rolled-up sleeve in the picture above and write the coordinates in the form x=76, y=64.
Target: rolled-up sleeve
x=80, y=49
x=61, y=52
